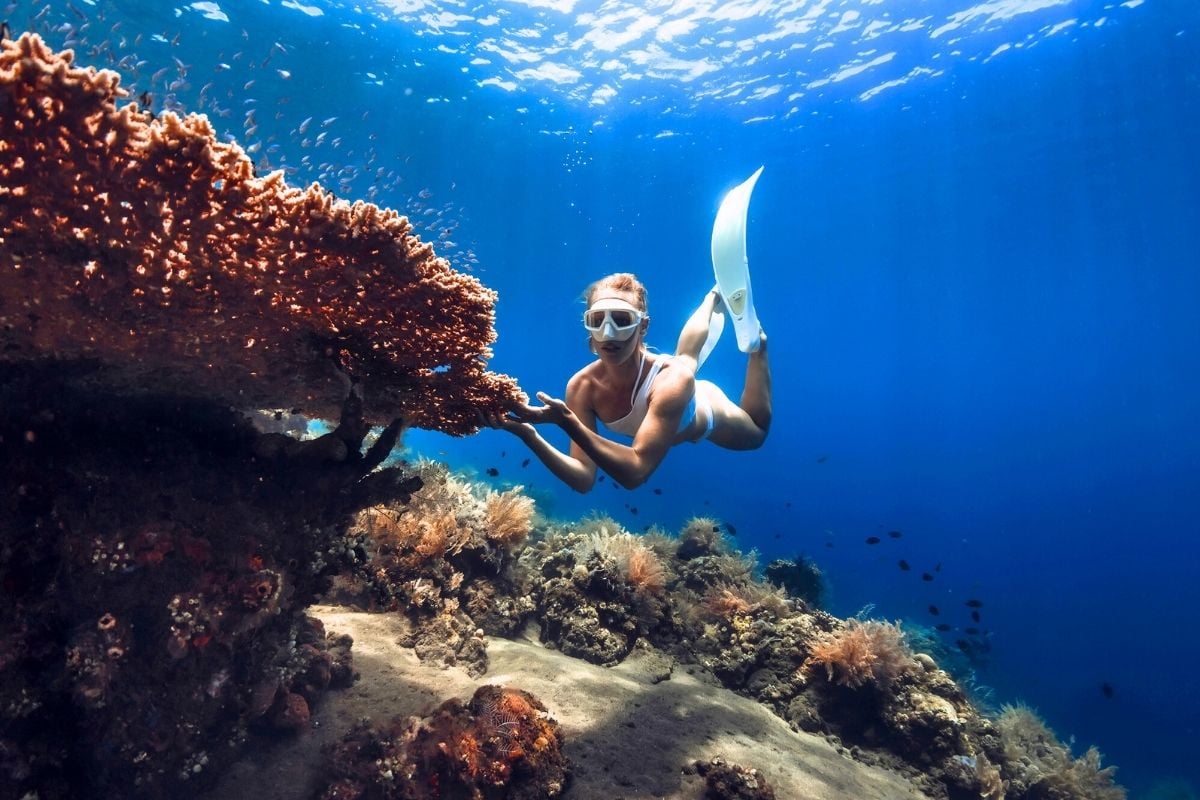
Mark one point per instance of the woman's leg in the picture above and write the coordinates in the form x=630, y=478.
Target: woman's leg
x=740, y=426
x=756, y=395
x=695, y=330
x=744, y=425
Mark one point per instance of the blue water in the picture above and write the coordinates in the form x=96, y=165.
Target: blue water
x=974, y=248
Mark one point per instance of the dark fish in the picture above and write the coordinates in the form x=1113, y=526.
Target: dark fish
x=787, y=504
x=525, y=463
x=633, y=510
x=600, y=478
x=975, y=616
x=777, y=536
x=716, y=528
x=973, y=603
x=829, y=544
x=925, y=576
x=732, y=530
x=872, y=540
x=493, y=471
x=937, y=567
x=658, y=491
x=971, y=631
x=943, y=627
x=503, y=453
x=895, y=534
x=934, y=610
x=963, y=645
x=904, y=565
x=1108, y=690
x=821, y=459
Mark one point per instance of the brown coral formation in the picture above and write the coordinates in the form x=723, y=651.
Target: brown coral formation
x=500, y=746
x=152, y=252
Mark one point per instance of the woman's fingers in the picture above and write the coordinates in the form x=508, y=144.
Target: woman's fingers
x=553, y=402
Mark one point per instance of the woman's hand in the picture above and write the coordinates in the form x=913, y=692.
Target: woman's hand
x=504, y=422
x=554, y=411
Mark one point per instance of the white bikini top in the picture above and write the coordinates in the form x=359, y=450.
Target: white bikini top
x=639, y=400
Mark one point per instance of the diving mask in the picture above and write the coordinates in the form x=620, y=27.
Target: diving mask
x=610, y=319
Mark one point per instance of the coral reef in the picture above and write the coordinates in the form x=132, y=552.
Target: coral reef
x=800, y=578
x=1040, y=766
x=602, y=594
x=149, y=251
x=156, y=555
x=502, y=745
x=439, y=559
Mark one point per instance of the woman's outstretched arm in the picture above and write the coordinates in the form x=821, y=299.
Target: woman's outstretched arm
x=579, y=474
x=629, y=465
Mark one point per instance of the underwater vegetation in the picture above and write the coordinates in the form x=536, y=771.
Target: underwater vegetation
x=437, y=558
x=597, y=592
x=159, y=552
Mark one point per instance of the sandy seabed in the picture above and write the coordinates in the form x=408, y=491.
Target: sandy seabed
x=629, y=731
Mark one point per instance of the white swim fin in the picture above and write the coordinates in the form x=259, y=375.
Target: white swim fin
x=730, y=265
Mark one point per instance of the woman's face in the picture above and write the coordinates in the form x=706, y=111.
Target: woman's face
x=610, y=349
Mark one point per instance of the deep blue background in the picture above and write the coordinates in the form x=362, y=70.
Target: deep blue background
x=981, y=290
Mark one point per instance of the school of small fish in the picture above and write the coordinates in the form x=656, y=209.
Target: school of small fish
x=249, y=97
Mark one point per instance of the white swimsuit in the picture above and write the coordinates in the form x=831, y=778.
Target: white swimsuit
x=639, y=402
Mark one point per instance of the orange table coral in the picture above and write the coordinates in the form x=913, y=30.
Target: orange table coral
x=149, y=252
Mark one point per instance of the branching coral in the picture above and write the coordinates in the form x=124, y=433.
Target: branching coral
x=509, y=517
x=702, y=536
x=638, y=564
x=1044, y=766
x=725, y=602
x=151, y=250
x=645, y=571
x=862, y=652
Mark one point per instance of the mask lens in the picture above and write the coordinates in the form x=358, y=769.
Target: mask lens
x=593, y=319
x=622, y=319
